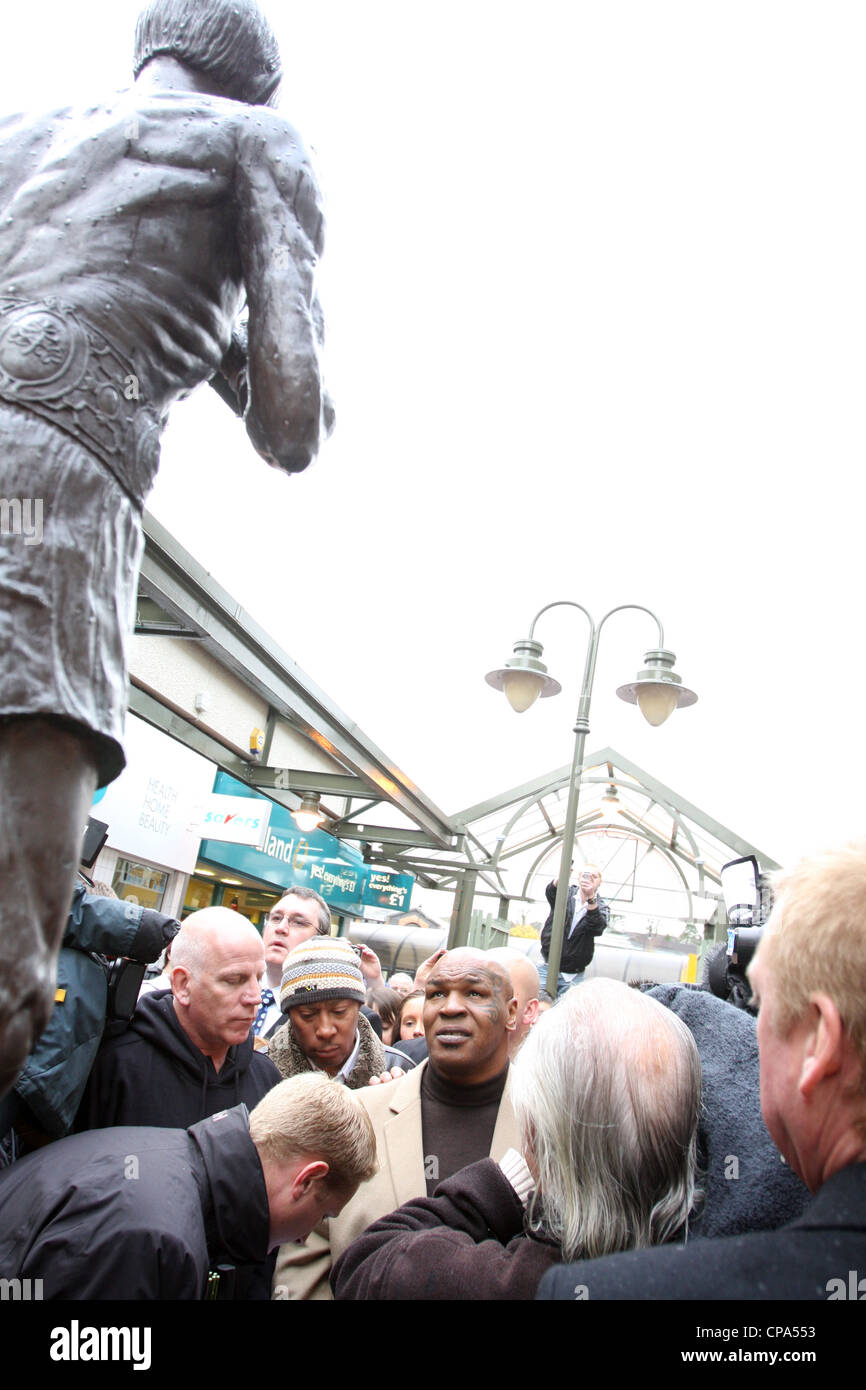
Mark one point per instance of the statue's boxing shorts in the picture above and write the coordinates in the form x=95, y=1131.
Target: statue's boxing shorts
x=76, y=459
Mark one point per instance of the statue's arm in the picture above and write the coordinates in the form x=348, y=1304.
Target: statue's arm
x=231, y=382
x=23, y=142
x=280, y=223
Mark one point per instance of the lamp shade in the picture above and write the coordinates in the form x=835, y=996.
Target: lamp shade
x=656, y=702
x=309, y=815
x=522, y=688
x=524, y=677
x=657, y=689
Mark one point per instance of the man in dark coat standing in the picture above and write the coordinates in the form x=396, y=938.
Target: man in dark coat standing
x=586, y=916
x=146, y=1213
x=809, y=979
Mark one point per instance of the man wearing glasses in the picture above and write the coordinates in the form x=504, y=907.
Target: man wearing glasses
x=299, y=914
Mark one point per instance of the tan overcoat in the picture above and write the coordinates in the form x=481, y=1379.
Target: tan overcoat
x=395, y=1109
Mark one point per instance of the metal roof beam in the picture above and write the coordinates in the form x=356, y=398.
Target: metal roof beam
x=348, y=817
x=685, y=808
x=582, y=821
x=444, y=866
x=169, y=721
x=553, y=781
x=539, y=786
x=185, y=590
x=387, y=835
x=672, y=850
x=294, y=780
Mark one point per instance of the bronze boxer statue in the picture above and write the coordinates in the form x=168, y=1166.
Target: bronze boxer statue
x=130, y=234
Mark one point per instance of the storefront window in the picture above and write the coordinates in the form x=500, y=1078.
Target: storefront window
x=139, y=883
x=199, y=894
x=254, y=903
x=207, y=889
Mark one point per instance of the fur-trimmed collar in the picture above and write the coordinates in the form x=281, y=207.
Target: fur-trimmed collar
x=286, y=1055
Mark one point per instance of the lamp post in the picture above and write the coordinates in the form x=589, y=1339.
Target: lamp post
x=657, y=690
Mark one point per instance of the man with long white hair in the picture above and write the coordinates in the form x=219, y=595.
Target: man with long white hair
x=607, y=1093
x=808, y=977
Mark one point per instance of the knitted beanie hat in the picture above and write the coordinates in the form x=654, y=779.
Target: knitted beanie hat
x=325, y=967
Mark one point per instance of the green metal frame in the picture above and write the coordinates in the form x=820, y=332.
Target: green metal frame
x=179, y=598
x=200, y=607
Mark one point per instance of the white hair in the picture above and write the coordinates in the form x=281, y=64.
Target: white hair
x=607, y=1093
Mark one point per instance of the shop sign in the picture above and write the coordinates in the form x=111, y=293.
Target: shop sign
x=153, y=809
x=388, y=890
x=236, y=819
x=288, y=857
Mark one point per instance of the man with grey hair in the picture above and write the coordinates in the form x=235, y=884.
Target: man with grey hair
x=189, y=1051
x=607, y=1092
x=809, y=980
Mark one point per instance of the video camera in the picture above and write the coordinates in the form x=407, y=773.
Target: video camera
x=110, y=920
x=748, y=903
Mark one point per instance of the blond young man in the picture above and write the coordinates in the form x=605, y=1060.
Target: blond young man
x=151, y=1213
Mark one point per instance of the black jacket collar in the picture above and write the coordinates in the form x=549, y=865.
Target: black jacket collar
x=237, y=1218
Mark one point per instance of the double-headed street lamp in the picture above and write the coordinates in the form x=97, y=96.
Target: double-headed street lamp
x=657, y=690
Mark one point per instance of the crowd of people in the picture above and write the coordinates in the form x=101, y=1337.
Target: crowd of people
x=281, y=1122
x=272, y=1118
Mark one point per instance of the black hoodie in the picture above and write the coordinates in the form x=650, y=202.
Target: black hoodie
x=153, y=1074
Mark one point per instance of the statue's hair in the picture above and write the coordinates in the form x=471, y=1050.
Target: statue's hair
x=607, y=1092
x=229, y=40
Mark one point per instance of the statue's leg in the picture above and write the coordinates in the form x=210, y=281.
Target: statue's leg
x=47, y=780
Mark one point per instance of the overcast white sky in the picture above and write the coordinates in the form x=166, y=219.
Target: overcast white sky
x=595, y=288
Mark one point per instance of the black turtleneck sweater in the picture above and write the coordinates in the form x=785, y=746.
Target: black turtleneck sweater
x=457, y=1123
